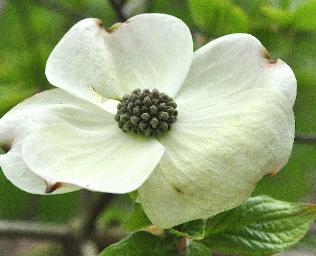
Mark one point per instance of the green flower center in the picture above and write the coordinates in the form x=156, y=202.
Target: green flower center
x=145, y=112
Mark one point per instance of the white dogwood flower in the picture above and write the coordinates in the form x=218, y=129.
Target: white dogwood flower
x=210, y=125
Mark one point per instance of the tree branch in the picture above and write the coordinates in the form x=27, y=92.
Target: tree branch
x=2, y=6
x=63, y=233
x=33, y=229
x=305, y=138
x=89, y=221
x=118, y=8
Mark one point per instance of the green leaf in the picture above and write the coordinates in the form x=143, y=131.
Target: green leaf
x=197, y=249
x=141, y=244
x=304, y=16
x=138, y=219
x=218, y=17
x=193, y=229
x=261, y=226
x=137, y=244
x=118, y=211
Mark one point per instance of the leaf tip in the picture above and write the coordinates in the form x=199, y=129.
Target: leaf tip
x=114, y=27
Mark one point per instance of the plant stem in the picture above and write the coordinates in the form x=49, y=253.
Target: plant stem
x=118, y=8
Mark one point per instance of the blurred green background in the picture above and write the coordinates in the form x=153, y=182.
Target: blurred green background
x=29, y=30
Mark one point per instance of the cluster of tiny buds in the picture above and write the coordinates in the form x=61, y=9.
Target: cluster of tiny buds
x=146, y=112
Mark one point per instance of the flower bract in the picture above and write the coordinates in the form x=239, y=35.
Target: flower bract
x=234, y=119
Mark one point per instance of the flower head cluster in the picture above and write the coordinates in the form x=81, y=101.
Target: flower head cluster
x=146, y=112
x=235, y=121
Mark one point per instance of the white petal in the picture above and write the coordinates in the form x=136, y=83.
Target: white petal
x=107, y=161
x=215, y=155
x=235, y=125
x=44, y=109
x=21, y=176
x=76, y=128
x=231, y=64
x=147, y=51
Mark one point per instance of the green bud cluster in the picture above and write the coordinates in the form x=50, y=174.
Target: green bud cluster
x=146, y=112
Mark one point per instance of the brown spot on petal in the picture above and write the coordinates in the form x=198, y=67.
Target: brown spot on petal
x=268, y=57
x=6, y=147
x=178, y=190
x=98, y=96
x=114, y=27
x=99, y=23
x=274, y=171
x=52, y=187
x=272, y=174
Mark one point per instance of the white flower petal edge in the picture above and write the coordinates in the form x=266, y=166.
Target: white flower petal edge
x=15, y=169
x=146, y=51
x=41, y=113
x=107, y=160
x=235, y=125
x=231, y=64
x=40, y=110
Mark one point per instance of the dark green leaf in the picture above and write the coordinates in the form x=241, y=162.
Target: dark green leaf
x=141, y=244
x=261, y=226
x=197, y=249
x=193, y=229
x=138, y=219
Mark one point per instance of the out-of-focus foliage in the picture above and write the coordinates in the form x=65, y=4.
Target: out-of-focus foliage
x=218, y=17
x=47, y=249
x=30, y=29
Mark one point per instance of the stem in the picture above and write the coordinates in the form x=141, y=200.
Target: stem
x=118, y=8
x=181, y=245
x=62, y=233
x=35, y=230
